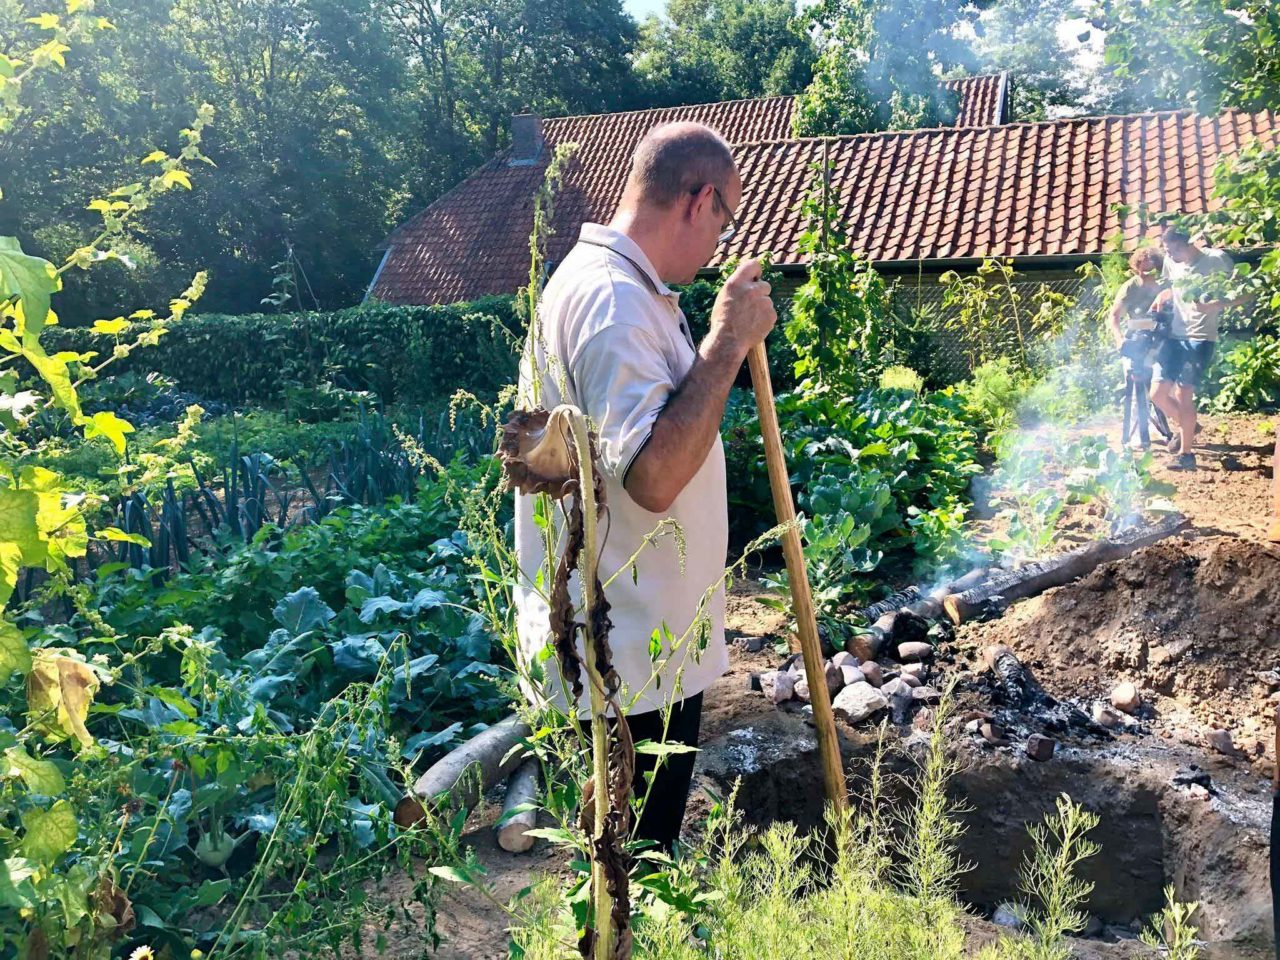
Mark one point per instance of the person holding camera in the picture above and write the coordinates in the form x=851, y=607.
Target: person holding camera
x=1134, y=328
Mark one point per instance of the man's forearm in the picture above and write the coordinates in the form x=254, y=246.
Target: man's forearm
x=685, y=430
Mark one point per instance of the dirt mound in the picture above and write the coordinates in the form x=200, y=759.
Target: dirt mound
x=1192, y=623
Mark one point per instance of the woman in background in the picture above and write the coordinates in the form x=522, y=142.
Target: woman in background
x=1132, y=324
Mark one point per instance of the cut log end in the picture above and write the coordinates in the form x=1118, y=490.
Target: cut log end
x=522, y=788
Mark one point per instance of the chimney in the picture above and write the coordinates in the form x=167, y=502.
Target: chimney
x=526, y=139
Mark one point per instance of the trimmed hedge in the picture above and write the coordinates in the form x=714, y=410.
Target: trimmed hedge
x=411, y=354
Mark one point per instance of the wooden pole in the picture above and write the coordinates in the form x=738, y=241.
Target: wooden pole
x=1273, y=533
x=801, y=598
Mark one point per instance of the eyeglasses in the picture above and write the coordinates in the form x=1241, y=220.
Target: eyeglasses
x=731, y=227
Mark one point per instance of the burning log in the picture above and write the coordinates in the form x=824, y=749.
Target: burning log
x=1035, y=578
x=462, y=775
x=904, y=617
x=522, y=790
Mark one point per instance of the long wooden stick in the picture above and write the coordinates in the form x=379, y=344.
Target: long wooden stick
x=801, y=598
x=1273, y=533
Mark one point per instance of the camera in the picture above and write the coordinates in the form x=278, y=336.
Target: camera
x=1138, y=344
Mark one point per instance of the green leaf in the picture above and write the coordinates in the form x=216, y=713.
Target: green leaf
x=302, y=610
x=30, y=279
x=15, y=655
x=16, y=890
x=40, y=776
x=452, y=874
x=48, y=834
x=119, y=536
x=211, y=891
x=107, y=424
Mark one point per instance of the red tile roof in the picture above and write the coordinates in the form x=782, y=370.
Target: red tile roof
x=984, y=100
x=1017, y=190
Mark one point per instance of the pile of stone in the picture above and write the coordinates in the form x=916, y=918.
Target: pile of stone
x=861, y=689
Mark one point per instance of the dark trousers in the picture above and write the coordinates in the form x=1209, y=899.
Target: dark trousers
x=664, y=811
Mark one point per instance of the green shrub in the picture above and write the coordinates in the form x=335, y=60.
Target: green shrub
x=1250, y=376
x=417, y=354
x=991, y=398
x=901, y=378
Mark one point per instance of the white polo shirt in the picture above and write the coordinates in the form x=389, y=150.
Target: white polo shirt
x=616, y=344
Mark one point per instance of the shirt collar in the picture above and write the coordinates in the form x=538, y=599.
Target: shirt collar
x=620, y=243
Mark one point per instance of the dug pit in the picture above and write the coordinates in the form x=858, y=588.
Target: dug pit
x=1155, y=827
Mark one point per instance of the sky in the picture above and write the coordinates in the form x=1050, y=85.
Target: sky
x=642, y=8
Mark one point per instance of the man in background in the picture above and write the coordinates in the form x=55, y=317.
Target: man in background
x=1190, y=271
x=614, y=342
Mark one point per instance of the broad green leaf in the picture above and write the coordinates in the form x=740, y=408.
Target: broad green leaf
x=19, y=510
x=30, y=279
x=55, y=373
x=211, y=891
x=117, y=535
x=15, y=655
x=10, y=563
x=111, y=327
x=40, y=776
x=303, y=610
x=107, y=424
x=16, y=890
x=48, y=834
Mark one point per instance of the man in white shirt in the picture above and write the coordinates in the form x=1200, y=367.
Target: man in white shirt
x=612, y=340
x=1185, y=355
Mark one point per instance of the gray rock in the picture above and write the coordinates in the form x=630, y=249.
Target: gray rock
x=926, y=694
x=910, y=681
x=835, y=678
x=897, y=688
x=858, y=701
x=802, y=689
x=917, y=670
x=1040, y=748
x=872, y=673
x=843, y=657
x=1105, y=716
x=778, y=685
x=852, y=674
x=915, y=650
x=1221, y=741
x=1009, y=915
x=1125, y=698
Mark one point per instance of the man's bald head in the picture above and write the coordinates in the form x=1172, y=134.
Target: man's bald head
x=676, y=158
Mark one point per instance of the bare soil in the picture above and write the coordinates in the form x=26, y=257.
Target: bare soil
x=1191, y=621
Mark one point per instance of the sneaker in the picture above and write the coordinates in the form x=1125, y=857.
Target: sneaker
x=1184, y=461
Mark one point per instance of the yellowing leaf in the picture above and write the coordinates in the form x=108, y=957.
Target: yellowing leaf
x=49, y=833
x=74, y=5
x=142, y=315
x=15, y=656
x=101, y=206
x=18, y=512
x=105, y=24
x=52, y=50
x=107, y=424
x=60, y=688
x=40, y=776
x=31, y=279
x=111, y=327
x=155, y=156
x=46, y=21
x=10, y=563
x=119, y=536
x=177, y=176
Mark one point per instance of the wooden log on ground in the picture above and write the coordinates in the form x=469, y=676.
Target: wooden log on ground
x=522, y=789
x=872, y=642
x=462, y=775
x=930, y=605
x=890, y=604
x=1035, y=578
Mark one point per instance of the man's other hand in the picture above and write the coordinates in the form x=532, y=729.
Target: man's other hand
x=743, y=314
